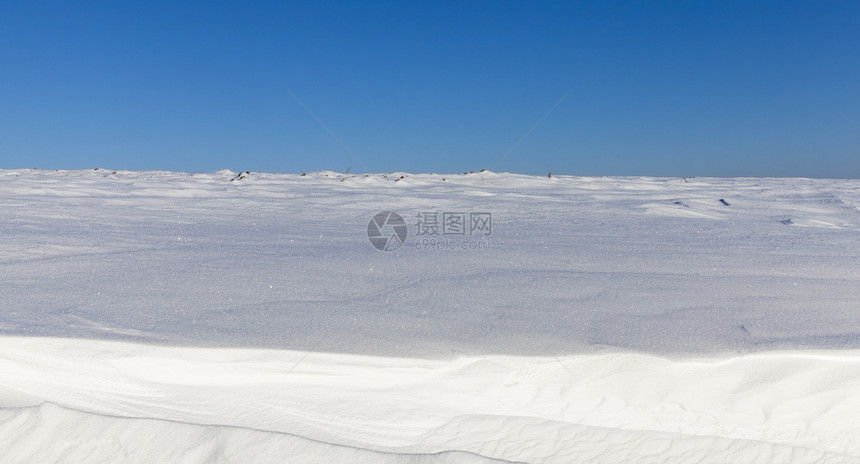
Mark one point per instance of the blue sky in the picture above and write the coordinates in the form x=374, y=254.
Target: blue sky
x=687, y=88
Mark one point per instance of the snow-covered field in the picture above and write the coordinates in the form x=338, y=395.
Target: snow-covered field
x=224, y=317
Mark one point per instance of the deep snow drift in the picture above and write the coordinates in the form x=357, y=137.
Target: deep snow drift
x=155, y=317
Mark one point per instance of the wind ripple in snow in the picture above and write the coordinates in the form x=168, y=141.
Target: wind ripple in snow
x=201, y=403
x=52, y=434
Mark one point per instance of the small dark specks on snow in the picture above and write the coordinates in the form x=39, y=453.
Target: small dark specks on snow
x=724, y=202
x=743, y=329
x=787, y=222
x=680, y=203
x=241, y=175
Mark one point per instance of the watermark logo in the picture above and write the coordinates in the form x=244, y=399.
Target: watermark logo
x=387, y=231
x=454, y=223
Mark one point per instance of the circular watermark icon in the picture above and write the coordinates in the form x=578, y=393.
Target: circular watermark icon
x=386, y=231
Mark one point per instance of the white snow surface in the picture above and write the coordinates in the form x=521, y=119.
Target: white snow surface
x=172, y=317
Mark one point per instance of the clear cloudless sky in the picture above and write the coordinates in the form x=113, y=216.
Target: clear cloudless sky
x=681, y=88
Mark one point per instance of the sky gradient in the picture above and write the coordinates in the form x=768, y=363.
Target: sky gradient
x=587, y=88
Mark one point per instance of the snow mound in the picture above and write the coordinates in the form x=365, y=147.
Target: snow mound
x=97, y=400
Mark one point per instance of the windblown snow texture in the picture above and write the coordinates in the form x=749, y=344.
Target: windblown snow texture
x=248, y=318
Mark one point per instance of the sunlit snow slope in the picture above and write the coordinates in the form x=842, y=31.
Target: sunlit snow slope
x=169, y=317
